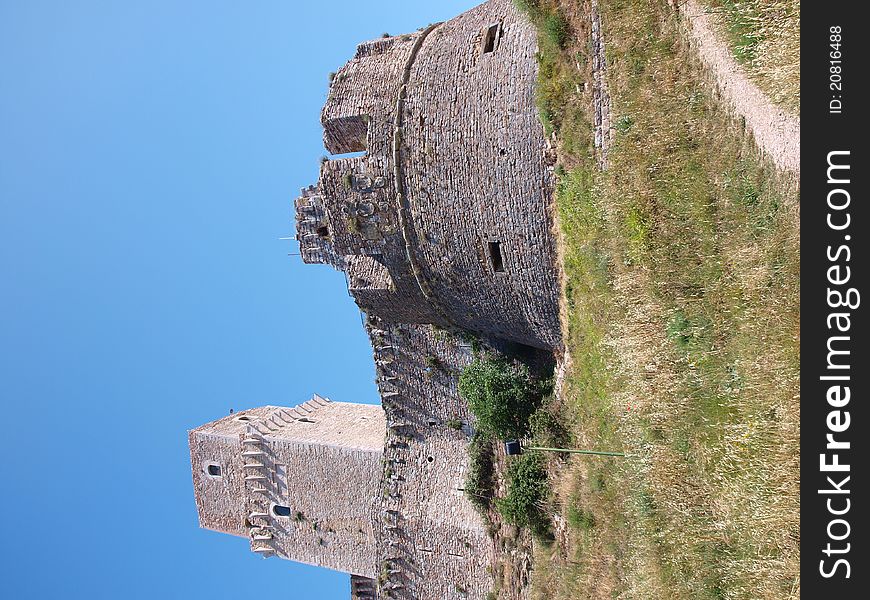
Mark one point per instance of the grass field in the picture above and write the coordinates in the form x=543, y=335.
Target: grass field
x=764, y=36
x=682, y=304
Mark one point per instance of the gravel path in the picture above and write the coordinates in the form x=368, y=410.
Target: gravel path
x=776, y=132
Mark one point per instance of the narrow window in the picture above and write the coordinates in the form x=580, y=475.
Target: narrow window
x=495, y=256
x=343, y=135
x=281, y=511
x=214, y=470
x=489, y=38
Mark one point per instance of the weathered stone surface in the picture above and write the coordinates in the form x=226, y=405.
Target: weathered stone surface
x=438, y=546
x=375, y=492
x=321, y=460
x=443, y=225
x=452, y=197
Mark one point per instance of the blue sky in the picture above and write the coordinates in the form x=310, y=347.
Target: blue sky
x=149, y=156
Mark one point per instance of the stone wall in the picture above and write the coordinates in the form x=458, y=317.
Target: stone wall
x=300, y=483
x=453, y=196
x=372, y=491
x=432, y=543
x=444, y=224
x=477, y=174
x=363, y=588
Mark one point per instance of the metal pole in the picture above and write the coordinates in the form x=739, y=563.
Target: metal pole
x=599, y=452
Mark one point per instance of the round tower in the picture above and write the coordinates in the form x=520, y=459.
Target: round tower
x=446, y=218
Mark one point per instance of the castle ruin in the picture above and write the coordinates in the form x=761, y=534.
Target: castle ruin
x=442, y=225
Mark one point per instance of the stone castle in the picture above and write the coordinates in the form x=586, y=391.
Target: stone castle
x=442, y=225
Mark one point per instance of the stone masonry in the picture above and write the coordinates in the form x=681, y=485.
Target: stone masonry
x=320, y=460
x=445, y=219
x=442, y=226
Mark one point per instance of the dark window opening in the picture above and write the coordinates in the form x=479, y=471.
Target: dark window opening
x=305, y=420
x=322, y=231
x=214, y=470
x=495, y=256
x=281, y=511
x=430, y=458
x=489, y=38
x=343, y=135
x=243, y=418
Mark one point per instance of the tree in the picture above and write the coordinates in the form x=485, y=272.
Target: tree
x=501, y=394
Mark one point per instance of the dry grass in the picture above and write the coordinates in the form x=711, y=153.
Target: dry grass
x=764, y=36
x=682, y=293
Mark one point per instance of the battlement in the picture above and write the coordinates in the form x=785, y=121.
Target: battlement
x=451, y=201
x=360, y=110
x=442, y=224
x=372, y=491
x=299, y=483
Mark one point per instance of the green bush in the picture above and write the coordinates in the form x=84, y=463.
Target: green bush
x=527, y=491
x=556, y=27
x=479, y=482
x=502, y=395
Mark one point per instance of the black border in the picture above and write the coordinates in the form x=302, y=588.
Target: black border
x=821, y=133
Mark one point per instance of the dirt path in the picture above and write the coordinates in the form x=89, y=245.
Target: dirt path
x=776, y=132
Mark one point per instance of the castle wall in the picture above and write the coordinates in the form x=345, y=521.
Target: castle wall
x=476, y=173
x=375, y=492
x=443, y=223
x=330, y=491
x=218, y=499
x=433, y=543
x=366, y=86
x=453, y=194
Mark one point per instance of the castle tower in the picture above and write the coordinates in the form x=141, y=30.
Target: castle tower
x=301, y=483
x=446, y=218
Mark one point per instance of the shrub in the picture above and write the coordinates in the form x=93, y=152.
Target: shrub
x=527, y=491
x=550, y=22
x=546, y=428
x=502, y=395
x=556, y=28
x=479, y=482
x=530, y=7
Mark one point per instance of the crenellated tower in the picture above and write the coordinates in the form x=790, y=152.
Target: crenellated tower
x=300, y=483
x=436, y=204
x=446, y=216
